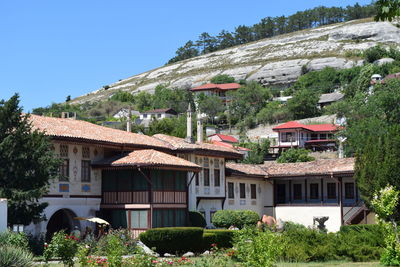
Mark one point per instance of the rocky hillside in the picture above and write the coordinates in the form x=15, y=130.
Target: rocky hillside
x=274, y=61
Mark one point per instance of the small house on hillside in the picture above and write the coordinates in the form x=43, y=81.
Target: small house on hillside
x=215, y=89
x=327, y=99
x=160, y=113
x=317, y=137
x=222, y=138
x=123, y=113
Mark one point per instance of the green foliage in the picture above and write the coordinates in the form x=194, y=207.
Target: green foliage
x=387, y=9
x=63, y=246
x=222, y=78
x=23, y=184
x=143, y=101
x=295, y=155
x=211, y=105
x=222, y=238
x=256, y=248
x=323, y=81
x=238, y=218
x=122, y=96
x=247, y=101
x=175, y=126
x=173, y=239
x=196, y=219
x=175, y=98
x=102, y=247
x=273, y=112
x=9, y=238
x=15, y=256
x=258, y=151
x=304, y=104
x=115, y=250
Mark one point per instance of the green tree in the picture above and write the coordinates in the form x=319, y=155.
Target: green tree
x=122, y=96
x=143, y=101
x=170, y=126
x=189, y=50
x=222, y=78
x=295, y=155
x=258, y=151
x=387, y=9
x=27, y=164
x=273, y=112
x=211, y=105
x=175, y=98
x=304, y=104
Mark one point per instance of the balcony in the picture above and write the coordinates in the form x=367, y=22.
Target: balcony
x=142, y=197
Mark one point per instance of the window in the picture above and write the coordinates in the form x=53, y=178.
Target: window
x=281, y=193
x=330, y=136
x=231, y=193
x=253, y=191
x=288, y=137
x=85, y=174
x=331, y=188
x=206, y=177
x=85, y=152
x=139, y=219
x=297, y=194
x=217, y=181
x=322, y=136
x=144, y=116
x=64, y=151
x=314, y=194
x=314, y=136
x=349, y=190
x=242, y=190
x=197, y=179
x=158, y=115
x=64, y=170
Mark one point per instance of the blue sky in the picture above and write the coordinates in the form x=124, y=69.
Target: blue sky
x=51, y=49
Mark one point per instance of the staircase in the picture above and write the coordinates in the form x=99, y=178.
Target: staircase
x=356, y=214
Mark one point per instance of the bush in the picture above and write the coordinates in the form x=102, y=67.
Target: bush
x=36, y=244
x=64, y=246
x=101, y=247
x=255, y=248
x=15, y=256
x=222, y=238
x=19, y=240
x=238, y=218
x=173, y=239
x=196, y=219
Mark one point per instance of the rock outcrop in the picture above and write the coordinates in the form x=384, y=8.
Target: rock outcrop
x=276, y=61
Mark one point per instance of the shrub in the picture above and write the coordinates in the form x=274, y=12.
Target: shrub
x=173, y=239
x=238, y=218
x=115, y=250
x=255, y=248
x=64, y=246
x=196, y=219
x=223, y=238
x=10, y=238
x=208, y=240
x=15, y=256
x=36, y=244
x=100, y=247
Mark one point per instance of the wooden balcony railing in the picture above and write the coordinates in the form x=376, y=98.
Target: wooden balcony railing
x=142, y=197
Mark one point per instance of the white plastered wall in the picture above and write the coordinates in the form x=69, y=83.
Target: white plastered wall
x=305, y=215
x=3, y=214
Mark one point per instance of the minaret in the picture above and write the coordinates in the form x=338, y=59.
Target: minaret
x=199, y=127
x=128, y=121
x=189, y=128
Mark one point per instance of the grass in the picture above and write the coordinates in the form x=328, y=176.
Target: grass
x=330, y=263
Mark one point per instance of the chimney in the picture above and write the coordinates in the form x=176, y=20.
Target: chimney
x=189, y=128
x=199, y=127
x=128, y=121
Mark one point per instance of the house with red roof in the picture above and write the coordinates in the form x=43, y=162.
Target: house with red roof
x=219, y=90
x=222, y=138
x=317, y=137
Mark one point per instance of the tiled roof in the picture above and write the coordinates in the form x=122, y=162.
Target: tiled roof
x=162, y=110
x=317, y=167
x=226, y=138
x=148, y=158
x=224, y=86
x=312, y=127
x=89, y=132
x=181, y=144
x=245, y=169
x=219, y=143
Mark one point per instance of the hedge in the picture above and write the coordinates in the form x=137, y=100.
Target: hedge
x=238, y=218
x=196, y=219
x=173, y=240
x=222, y=238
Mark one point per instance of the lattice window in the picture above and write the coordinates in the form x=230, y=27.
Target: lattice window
x=85, y=152
x=206, y=162
x=64, y=151
x=85, y=174
x=216, y=164
x=64, y=170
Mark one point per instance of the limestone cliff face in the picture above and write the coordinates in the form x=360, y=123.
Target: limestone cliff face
x=274, y=61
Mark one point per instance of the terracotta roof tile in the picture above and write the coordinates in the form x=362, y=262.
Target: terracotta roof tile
x=311, y=127
x=148, y=158
x=317, y=167
x=226, y=138
x=224, y=86
x=162, y=110
x=245, y=169
x=181, y=144
x=219, y=143
x=86, y=131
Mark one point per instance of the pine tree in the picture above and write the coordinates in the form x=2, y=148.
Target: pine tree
x=27, y=164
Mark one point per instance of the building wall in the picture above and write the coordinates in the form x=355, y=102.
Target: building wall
x=75, y=186
x=305, y=215
x=3, y=214
x=264, y=195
